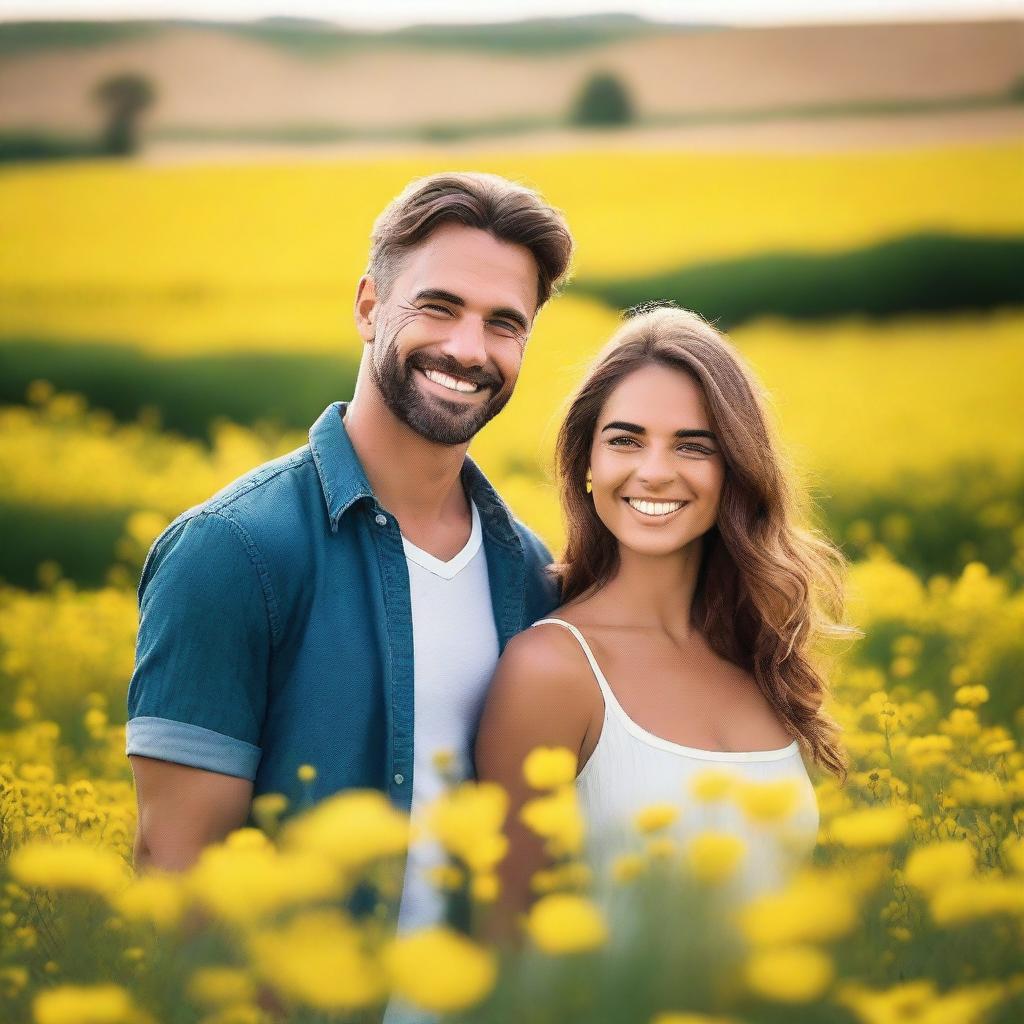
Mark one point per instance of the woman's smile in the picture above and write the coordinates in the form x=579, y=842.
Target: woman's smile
x=653, y=510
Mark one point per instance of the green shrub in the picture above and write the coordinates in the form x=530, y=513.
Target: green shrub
x=928, y=273
x=602, y=102
x=188, y=393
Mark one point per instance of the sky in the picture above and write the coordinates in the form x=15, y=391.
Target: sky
x=392, y=13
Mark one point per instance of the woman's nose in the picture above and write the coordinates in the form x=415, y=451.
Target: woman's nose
x=656, y=468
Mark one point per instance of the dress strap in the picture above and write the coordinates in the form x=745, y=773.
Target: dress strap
x=606, y=690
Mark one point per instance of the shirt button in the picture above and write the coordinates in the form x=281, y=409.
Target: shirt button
x=399, y=778
x=380, y=519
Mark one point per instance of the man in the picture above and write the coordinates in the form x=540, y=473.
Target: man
x=344, y=606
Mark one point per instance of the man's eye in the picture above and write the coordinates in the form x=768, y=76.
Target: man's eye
x=506, y=325
x=440, y=309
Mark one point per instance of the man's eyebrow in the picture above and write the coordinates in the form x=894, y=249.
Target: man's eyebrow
x=635, y=428
x=440, y=295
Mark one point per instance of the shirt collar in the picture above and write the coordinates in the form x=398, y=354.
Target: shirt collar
x=344, y=482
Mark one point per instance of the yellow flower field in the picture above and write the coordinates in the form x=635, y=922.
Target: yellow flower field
x=183, y=259
x=907, y=436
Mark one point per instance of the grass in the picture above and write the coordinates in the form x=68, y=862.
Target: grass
x=926, y=273
x=187, y=392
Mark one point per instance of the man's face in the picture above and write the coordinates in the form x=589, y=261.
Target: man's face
x=448, y=340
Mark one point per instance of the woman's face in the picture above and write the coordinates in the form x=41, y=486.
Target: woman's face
x=656, y=466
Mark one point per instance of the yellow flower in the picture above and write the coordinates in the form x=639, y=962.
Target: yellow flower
x=655, y=817
x=904, y=1002
x=220, y=986
x=713, y=857
x=74, y=1004
x=976, y=898
x=928, y=868
x=972, y=696
x=71, y=865
x=917, y=1001
x=13, y=979
x=306, y=773
x=267, y=808
x=790, y=974
x=243, y=882
x=628, y=866
x=979, y=788
x=690, y=1018
x=712, y=784
x=557, y=819
x=962, y=723
x=662, y=848
x=440, y=970
x=318, y=959
x=446, y=876
x=155, y=897
x=485, y=888
x=870, y=827
x=468, y=822
x=766, y=801
x=352, y=829
x=570, y=875
x=812, y=907
x=549, y=767
x=929, y=751
x=1013, y=851
x=565, y=923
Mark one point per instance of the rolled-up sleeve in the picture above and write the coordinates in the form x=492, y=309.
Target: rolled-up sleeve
x=198, y=694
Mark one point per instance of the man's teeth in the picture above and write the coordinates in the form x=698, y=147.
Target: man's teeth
x=452, y=383
x=655, y=508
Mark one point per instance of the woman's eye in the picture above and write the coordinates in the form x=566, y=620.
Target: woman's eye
x=615, y=441
x=696, y=449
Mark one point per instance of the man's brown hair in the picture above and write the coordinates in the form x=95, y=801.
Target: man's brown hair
x=509, y=211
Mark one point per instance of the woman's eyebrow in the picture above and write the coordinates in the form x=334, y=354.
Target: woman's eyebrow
x=635, y=428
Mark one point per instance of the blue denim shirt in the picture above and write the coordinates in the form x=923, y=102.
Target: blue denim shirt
x=276, y=626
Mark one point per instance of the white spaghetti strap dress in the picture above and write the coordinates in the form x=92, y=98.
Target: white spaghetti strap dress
x=631, y=768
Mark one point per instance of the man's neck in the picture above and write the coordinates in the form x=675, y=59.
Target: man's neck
x=413, y=478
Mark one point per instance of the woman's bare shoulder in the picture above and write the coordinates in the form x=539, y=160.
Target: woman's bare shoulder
x=545, y=650
x=540, y=695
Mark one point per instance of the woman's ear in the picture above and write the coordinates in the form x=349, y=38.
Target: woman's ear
x=366, y=308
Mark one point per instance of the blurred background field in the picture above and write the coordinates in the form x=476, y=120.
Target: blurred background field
x=846, y=200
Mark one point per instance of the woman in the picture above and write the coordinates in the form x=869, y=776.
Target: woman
x=690, y=598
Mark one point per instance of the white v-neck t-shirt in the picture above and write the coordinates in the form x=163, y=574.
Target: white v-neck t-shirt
x=455, y=653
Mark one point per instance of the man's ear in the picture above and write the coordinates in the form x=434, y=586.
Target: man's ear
x=366, y=308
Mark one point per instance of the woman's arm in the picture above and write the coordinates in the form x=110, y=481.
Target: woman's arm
x=538, y=698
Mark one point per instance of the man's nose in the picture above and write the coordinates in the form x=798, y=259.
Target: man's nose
x=466, y=342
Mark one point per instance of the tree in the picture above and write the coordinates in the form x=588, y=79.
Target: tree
x=124, y=96
x=603, y=101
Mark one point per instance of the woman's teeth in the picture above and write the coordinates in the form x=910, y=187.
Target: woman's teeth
x=655, y=508
x=451, y=383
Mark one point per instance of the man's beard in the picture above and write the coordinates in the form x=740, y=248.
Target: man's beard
x=434, y=418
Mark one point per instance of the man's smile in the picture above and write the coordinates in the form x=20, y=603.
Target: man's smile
x=452, y=383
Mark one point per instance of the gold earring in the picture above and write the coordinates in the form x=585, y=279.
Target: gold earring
x=589, y=484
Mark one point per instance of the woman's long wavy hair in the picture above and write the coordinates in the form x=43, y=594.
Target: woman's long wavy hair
x=767, y=587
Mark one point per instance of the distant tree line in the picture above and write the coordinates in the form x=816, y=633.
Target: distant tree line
x=123, y=98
